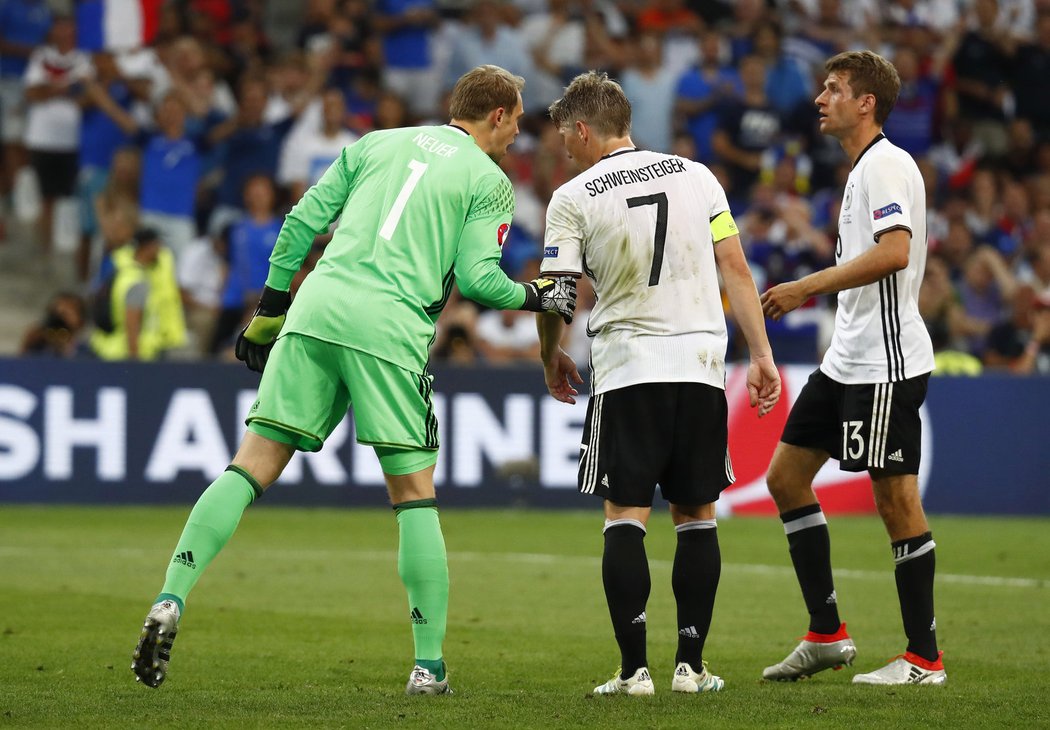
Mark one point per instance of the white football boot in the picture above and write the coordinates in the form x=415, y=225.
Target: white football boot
x=686, y=680
x=422, y=682
x=815, y=653
x=908, y=668
x=638, y=684
x=150, y=660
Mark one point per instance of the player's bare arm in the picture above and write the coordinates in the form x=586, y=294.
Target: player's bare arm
x=878, y=262
x=559, y=369
x=763, y=379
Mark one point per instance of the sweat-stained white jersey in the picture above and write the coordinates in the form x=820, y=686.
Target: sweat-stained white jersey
x=638, y=223
x=879, y=335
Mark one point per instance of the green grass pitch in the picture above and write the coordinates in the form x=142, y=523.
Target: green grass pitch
x=302, y=622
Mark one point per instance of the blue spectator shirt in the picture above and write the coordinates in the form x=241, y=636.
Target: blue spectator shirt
x=653, y=96
x=198, y=128
x=787, y=85
x=409, y=47
x=519, y=249
x=170, y=172
x=251, y=244
x=26, y=22
x=740, y=46
x=694, y=86
x=505, y=49
x=100, y=136
x=248, y=152
x=910, y=126
x=232, y=296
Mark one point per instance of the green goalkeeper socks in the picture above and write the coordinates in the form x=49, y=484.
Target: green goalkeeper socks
x=423, y=567
x=209, y=527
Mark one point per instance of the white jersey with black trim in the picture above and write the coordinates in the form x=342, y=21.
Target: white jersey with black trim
x=879, y=335
x=638, y=223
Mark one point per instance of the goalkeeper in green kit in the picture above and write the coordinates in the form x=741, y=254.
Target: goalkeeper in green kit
x=419, y=209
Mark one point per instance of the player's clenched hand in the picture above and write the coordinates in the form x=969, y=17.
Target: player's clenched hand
x=561, y=375
x=555, y=294
x=783, y=298
x=256, y=340
x=763, y=384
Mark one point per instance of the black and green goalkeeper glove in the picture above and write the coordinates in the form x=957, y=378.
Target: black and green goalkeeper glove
x=555, y=294
x=256, y=340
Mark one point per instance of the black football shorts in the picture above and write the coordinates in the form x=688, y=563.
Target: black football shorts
x=872, y=426
x=671, y=434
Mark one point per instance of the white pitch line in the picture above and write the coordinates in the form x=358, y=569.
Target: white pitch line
x=562, y=560
x=761, y=569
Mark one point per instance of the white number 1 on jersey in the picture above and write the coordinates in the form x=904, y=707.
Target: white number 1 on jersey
x=417, y=168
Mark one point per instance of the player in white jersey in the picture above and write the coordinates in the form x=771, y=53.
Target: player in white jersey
x=862, y=405
x=653, y=232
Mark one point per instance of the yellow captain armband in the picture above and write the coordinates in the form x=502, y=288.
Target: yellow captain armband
x=723, y=226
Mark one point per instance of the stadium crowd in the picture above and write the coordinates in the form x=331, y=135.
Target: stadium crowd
x=184, y=154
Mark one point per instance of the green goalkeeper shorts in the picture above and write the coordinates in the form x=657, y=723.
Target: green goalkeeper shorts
x=309, y=384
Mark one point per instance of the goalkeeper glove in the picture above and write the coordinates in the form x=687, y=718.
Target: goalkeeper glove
x=557, y=294
x=256, y=340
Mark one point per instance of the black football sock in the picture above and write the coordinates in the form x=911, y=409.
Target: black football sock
x=914, y=573
x=625, y=573
x=694, y=577
x=810, y=546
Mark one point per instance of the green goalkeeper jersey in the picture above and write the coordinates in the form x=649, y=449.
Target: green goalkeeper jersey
x=419, y=208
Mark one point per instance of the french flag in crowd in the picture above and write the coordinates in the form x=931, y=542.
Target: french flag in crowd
x=113, y=25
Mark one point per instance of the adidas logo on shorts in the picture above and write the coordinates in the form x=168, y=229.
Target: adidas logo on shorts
x=896, y=456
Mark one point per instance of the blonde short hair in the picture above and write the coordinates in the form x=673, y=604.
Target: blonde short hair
x=597, y=100
x=483, y=89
